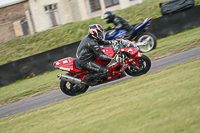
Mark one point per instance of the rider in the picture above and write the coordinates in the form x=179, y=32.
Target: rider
x=88, y=49
x=119, y=23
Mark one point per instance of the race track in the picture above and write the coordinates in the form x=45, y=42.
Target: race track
x=57, y=95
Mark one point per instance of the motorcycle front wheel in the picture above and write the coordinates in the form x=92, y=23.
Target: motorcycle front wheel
x=72, y=89
x=144, y=66
x=148, y=41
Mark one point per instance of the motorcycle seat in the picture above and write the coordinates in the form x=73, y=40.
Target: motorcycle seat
x=77, y=66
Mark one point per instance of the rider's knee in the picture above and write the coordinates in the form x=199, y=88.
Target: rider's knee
x=103, y=70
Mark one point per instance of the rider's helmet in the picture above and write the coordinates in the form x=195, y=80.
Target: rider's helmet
x=96, y=31
x=109, y=16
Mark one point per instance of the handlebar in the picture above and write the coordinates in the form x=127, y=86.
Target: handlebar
x=117, y=44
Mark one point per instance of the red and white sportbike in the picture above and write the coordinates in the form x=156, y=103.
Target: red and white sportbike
x=130, y=62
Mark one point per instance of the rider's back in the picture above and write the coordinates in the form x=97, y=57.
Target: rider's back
x=84, y=52
x=121, y=23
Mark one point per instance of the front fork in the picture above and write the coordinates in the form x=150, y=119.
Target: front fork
x=125, y=64
x=134, y=60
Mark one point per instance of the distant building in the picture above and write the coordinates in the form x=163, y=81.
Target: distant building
x=50, y=13
x=25, y=17
x=13, y=20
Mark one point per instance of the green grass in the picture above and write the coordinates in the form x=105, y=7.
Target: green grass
x=176, y=43
x=159, y=102
x=72, y=32
x=28, y=88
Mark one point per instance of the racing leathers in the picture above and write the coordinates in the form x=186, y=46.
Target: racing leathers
x=86, y=52
x=120, y=23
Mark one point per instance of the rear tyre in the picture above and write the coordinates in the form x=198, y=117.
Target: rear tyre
x=72, y=89
x=144, y=66
x=151, y=43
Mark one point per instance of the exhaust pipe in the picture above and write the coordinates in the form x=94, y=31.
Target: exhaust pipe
x=69, y=78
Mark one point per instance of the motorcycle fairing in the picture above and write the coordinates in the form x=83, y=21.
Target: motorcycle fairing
x=107, y=51
x=139, y=27
x=134, y=52
x=64, y=63
x=131, y=50
x=67, y=64
x=137, y=56
x=119, y=33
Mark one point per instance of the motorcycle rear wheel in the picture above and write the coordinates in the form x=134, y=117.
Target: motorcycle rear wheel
x=72, y=89
x=151, y=44
x=144, y=67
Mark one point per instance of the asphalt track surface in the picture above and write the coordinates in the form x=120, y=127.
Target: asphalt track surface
x=57, y=95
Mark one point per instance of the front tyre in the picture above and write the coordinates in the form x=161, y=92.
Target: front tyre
x=144, y=66
x=72, y=89
x=148, y=41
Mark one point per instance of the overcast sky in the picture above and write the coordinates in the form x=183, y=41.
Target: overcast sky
x=3, y=2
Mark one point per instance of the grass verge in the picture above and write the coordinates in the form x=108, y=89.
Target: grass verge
x=162, y=101
x=29, y=88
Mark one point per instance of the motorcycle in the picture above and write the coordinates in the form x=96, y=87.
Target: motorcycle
x=129, y=61
x=145, y=41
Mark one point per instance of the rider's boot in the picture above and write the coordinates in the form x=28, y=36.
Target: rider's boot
x=89, y=78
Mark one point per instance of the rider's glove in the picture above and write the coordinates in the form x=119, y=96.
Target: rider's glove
x=113, y=27
x=107, y=29
x=114, y=42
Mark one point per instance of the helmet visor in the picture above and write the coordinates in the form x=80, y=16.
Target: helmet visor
x=100, y=34
x=104, y=16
